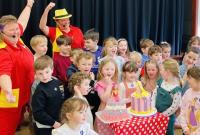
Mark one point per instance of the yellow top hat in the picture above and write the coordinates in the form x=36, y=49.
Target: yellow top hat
x=61, y=14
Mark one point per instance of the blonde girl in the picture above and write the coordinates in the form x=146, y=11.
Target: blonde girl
x=168, y=94
x=110, y=51
x=190, y=107
x=73, y=117
x=151, y=75
x=122, y=48
x=106, y=83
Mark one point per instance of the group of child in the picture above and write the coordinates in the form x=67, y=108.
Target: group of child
x=87, y=78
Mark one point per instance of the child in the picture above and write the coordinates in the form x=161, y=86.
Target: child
x=122, y=48
x=110, y=51
x=62, y=59
x=79, y=85
x=129, y=73
x=91, y=43
x=190, y=107
x=145, y=44
x=190, y=59
x=73, y=67
x=73, y=116
x=155, y=53
x=151, y=76
x=168, y=94
x=39, y=45
x=136, y=57
x=84, y=63
x=194, y=42
x=48, y=97
x=166, y=50
x=107, y=81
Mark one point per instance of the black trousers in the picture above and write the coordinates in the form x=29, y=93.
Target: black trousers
x=42, y=131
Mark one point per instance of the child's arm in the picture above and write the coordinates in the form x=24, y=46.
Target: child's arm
x=175, y=104
x=183, y=113
x=105, y=94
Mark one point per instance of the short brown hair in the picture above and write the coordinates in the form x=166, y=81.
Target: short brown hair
x=71, y=105
x=91, y=34
x=86, y=55
x=194, y=72
x=144, y=43
x=129, y=66
x=76, y=79
x=154, y=49
x=37, y=39
x=64, y=40
x=43, y=62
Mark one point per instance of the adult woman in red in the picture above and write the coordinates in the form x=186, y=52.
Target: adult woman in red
x=16, y=68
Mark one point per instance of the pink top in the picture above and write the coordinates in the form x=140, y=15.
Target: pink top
x=100, y=87
x=190, y=111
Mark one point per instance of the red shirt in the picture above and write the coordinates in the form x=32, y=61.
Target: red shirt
x=75, y=33
x=17, y=62
x=61, y=64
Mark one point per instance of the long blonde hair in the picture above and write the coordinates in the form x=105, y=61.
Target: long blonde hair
x=172, y=66
x=100, y=76
x=110, y=41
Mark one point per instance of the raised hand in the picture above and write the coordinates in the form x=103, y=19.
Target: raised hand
x=50, y=5
x=30, y=3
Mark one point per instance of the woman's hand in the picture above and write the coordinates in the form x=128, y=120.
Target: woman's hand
x=10, y=97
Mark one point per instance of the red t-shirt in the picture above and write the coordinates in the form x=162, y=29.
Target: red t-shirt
x=75, y=33
x=17, y=62
x=61, y=64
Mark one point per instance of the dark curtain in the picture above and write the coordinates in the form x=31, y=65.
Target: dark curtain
x=159, y=20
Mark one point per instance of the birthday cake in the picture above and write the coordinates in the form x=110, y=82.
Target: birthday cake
x=114, y=111
x=141, y=102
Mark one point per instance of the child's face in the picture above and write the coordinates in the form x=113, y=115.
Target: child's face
x=138, y=62
x=166, y=53
x=152, y=71
x=65, y=49
x=145, y=50
x=44, y=75
x=194, y=84
x=108, y=70
x=122, y=47
x=163, y=72
x=85, y=65
x=157, y=57
x=78, y=117
x=90, y=44
x=84, y=86
x=130, y=76
x=111, y=50
x=191, y=59
x=41, y=49
x=195, y=44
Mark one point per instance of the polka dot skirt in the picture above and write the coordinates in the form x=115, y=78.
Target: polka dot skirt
x=152, y=125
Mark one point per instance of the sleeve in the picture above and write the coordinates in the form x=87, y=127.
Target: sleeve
x=184, y=110
x=99, y=88
x=175, y=104
x=153, y=98
x=6, y=64
x=21, y=29
x=52, y=33
x=38, y=106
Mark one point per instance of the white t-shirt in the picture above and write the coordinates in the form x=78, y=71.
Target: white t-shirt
x=66, y=130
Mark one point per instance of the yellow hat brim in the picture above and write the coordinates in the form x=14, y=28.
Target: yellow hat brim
x=63, y=17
